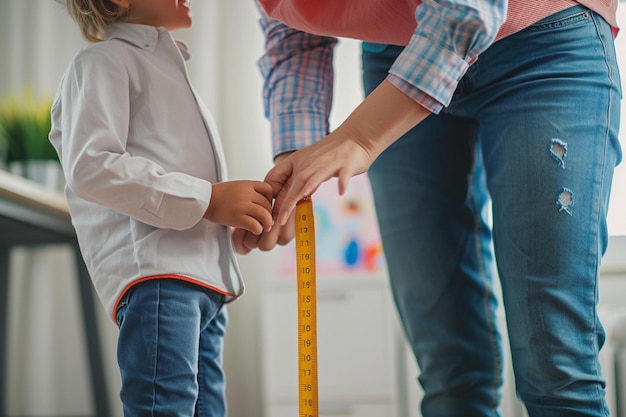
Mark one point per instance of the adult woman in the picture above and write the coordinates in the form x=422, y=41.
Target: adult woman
x=517, y=101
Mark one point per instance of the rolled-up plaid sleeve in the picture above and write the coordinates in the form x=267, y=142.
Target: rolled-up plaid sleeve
x=298, y=71
x=448, y=39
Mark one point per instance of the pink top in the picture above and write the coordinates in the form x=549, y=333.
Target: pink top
x=393, y=21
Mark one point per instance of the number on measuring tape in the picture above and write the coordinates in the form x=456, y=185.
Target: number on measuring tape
x=307, y=313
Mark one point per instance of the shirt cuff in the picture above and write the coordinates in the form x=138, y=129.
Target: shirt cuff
x=433, y=70
x=415, y=94
x=292, y=131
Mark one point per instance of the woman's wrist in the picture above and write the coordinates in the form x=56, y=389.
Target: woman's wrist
x=382, y=118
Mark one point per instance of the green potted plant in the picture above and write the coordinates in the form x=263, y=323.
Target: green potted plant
x=4, y=148
x=24, y=127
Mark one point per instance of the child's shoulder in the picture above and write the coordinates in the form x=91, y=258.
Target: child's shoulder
x=103, y=54
x=103, y=49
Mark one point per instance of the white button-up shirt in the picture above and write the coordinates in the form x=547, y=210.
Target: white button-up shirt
x=140, y=152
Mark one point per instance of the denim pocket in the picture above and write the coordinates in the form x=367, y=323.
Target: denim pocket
x=217, y=298
x=121, y=307
x=568, y=17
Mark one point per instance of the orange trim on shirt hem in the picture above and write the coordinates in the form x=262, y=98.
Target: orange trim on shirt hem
x=165, y=276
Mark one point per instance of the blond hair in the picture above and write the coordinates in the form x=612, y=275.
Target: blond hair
x=94, y=16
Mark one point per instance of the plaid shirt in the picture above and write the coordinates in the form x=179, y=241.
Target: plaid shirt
x=297, y=65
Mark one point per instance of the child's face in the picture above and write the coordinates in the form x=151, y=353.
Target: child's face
x=170, y=14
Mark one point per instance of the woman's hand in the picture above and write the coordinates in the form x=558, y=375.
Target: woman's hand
x=382, y=118
x=339, y=154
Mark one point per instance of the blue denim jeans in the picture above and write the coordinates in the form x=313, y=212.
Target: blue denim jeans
x=170, y=350
x=533, y=129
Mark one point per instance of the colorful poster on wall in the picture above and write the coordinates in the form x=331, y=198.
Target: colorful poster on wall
x=347, y=237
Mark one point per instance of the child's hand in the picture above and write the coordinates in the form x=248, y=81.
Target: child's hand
x=241, y=204
x=244, y=241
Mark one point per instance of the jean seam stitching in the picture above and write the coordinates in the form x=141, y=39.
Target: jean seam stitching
x=488, y=289
x=156, y=347
x=572, y=19
x=603, y=165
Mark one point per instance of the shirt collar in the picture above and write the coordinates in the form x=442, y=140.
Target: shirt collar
x=143, y=36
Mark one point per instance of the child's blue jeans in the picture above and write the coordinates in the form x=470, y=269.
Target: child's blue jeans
x=170, y=350
x=533, y=125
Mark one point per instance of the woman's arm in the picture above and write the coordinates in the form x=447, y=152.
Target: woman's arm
x=449, y=37
x=383, y=117
x=297, y=93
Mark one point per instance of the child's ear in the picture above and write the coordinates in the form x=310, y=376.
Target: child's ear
x=124, y=4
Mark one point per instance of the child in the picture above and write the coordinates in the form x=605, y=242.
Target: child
x=152, y=210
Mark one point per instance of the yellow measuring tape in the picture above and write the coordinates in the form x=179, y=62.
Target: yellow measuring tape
x=307, y=312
